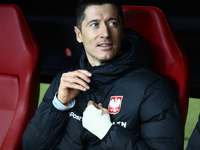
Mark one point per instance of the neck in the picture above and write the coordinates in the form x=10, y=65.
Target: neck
x=96, y=63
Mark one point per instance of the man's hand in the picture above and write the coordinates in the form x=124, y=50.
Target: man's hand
x=98, y=106
x=96, y=119
x=71, y=83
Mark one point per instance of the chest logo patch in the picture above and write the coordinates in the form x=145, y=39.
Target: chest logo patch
x=115, y=104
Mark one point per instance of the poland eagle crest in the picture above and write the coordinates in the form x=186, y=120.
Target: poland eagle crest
x=115, y=104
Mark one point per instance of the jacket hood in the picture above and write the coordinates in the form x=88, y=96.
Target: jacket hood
x=135, y=53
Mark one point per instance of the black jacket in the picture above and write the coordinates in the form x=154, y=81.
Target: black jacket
x=146, y=117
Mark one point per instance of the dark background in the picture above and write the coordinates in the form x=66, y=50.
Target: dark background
x=52, y=22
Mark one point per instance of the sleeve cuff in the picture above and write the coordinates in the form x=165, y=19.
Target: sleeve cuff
x=58, y=105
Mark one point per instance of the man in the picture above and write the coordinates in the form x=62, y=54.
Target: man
x=114, y=100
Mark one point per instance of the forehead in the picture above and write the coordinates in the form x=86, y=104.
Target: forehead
x=101, y=11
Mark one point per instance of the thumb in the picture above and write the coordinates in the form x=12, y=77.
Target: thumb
x=104, y=110
x=100, y=106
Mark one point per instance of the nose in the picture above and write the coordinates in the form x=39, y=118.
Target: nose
x=105, y=31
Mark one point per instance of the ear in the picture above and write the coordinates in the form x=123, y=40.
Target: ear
x=78, y=34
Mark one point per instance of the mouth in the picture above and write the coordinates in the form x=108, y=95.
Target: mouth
x=105, y=45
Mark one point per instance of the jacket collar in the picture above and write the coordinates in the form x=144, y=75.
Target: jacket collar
x=135, y=53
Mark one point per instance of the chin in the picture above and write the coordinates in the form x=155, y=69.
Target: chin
x=105, y=59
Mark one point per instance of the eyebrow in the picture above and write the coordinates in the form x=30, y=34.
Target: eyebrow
x=96, y=20
x=116, y=19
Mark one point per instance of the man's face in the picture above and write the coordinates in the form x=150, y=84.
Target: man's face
x=101, y=33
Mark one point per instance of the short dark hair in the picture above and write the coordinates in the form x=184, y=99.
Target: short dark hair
x=83, y=4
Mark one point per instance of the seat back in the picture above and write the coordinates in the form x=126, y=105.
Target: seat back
x=168, y=57
x=19, y=76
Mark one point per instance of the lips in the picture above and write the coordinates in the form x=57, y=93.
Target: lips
x=105, y=45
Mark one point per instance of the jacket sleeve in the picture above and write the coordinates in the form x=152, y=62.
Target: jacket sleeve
x=46, y=127
x=160, y=123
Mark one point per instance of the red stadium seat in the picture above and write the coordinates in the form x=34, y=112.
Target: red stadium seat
x=19, y=76
x=169, y=58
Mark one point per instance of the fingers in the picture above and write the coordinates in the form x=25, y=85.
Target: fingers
x=86, y=72
x=99, y=106
x=104, y=110
x=71, y=83
x=78, y=79
x=92, y=103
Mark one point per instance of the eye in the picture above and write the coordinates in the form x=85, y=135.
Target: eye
x=113, y=24
x=94, y=25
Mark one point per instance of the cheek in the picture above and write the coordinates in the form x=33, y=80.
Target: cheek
x=88, y=44
x=88, y=38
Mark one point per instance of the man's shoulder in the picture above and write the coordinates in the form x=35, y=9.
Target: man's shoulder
x=145, y=76
x=145, y=72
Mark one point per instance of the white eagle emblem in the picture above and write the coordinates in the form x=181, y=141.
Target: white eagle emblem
x=115, y=104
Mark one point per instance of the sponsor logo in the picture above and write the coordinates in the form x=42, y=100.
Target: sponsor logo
x=115, y=104
x=121, y=123
x=75, y=116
